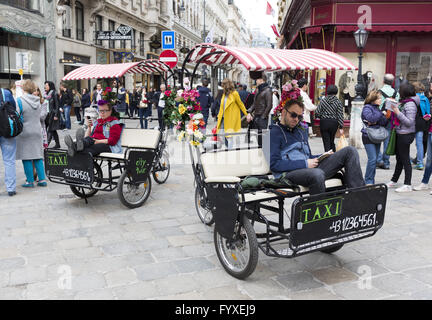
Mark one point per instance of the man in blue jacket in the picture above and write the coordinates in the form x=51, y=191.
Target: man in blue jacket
x=8, y=149
x=205, y=99
x=290, y=152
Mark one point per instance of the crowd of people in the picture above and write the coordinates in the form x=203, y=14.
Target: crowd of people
x=407, y=111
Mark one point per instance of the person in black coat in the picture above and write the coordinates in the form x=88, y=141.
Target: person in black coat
x=66, y=101
x=52, y=121
x=85, y=102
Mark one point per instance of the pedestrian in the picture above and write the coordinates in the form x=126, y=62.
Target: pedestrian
x=423, y=122
x=97, y=94
x=150, y=98
x=276, y=101
x=309, y=106
x=52, y=121
x=330, y=113
x=144, y=109
x=77, y=105
x=424, y=185
x=44, y=114
x=205, y=100
x=136, y=99
x=387, y=92
x=229, y=120
x=8, y=148
x=403, y=119
x=85, y=103
x=263, y=103
x=217, y=102
x=160, y=104
x=121, y=106
x=66, y=101
x=372, y=117
x=30, y=142
x=243, y=93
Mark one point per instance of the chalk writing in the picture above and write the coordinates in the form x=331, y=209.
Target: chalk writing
x=349, y=223
x=77, y=174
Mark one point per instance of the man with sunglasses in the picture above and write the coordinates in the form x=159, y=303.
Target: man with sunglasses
x=290, y=152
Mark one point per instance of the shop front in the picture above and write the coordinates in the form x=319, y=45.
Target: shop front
x=399, y=42
x=21, y=51
x=71, y=62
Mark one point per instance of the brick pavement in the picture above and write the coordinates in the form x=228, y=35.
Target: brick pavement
x=162, y=251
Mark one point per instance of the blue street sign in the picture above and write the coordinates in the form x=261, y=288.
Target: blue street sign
x=168, y=40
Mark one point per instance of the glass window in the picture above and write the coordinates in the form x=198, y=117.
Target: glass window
x=111, y=26
x=414, y=66
x=79, y=20
x=31, y=5
x=99, y=28
x=67, y=19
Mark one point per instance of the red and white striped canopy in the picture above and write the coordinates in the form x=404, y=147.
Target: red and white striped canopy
x=265, y=59
x=104, y=71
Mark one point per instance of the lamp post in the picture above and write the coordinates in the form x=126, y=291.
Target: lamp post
x=360, y=36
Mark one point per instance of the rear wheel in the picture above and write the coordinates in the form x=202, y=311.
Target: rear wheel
x=88, y=193
x=133, y=195
x=239, y=255
x=202, y=207
x=332, y=249
x=162, y=169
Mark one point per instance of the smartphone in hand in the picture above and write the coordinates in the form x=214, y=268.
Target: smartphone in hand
x=324, y=155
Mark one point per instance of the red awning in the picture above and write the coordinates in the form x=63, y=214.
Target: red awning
x=388, y=28
x=265, y=59
x=105, y=71
x=311, y=30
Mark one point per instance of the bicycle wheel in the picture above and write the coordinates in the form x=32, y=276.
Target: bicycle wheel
x=239, y=256
x=130, y=194
x=162, y=169
x=203, y=208
x=88, y=193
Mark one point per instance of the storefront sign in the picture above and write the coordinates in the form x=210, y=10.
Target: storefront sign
x=122, y=33
x=74, y=58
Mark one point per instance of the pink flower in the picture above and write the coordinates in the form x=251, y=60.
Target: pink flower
x=108, y=89
x=294, y=82
x=167, y=93
x=287, y=87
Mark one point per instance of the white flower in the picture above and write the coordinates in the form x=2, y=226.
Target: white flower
x=198, y=135
x=198, y=116
x=179, y=93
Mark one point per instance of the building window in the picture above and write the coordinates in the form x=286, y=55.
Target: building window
x=79, y=20
x=31, y=5
x=67, y=19
x=99, y=20
x=111, y=27
x=414, y=66
x=141, y=44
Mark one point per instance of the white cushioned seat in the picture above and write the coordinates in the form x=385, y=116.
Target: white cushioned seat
x=234, y=163
x=112, y=155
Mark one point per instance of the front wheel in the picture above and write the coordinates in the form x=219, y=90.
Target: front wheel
x=202, y=207
x=133, y=195
x=239, y=255
x=162, y=169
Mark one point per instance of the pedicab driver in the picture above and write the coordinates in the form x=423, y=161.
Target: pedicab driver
x=290, y=152
x=101, y=136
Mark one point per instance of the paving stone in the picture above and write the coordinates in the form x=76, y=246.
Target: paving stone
x=193, y=264
x=82, y=254
x=298, y=281
x=155, y=271
x=73, y=243
x=186, y=240
x=12, y=293
x=359, y=290
x=334, y=275
x=225, y=293
x=138, y=259
x=314, y=294
x=120, y=248
x=28, y=275
x=168, y=254
x=88, y=282
x=44, y=237
x=398, y=283
x=4, y=279
x=121, y=277
x=176, y=284
x=139, y=291
x=102, y=294
x=11, y=263
x=46, y=290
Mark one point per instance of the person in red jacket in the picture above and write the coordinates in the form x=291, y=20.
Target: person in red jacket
x=100, y=137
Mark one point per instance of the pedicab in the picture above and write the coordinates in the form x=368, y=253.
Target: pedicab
x=250, y=218
x=144, y=151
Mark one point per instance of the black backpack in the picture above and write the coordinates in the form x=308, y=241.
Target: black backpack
x=11, y=122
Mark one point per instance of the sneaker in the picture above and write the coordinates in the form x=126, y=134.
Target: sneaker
x=418, y=167
x=404, y=188
x=391, y=184
x=28, y=185
x=380, y=165
x=71, y=145
x=42, y=184
x=11, y=193
x=79, y=139
x=421, y=186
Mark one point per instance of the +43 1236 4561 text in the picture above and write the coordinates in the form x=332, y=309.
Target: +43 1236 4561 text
x=223, y=309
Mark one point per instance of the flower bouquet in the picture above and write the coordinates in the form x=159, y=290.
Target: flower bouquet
x=290, y=91
x=183, y=110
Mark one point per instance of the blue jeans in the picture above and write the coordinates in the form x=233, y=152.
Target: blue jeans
x=28, y=169
x=428, y=169
x=382, y=156
x=8, y=149
x=67, y=110
x=420, y=149
x=372, y=151
x=143, y=117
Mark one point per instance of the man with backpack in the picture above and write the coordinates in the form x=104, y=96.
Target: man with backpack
x=387, y=91
x=10, y=127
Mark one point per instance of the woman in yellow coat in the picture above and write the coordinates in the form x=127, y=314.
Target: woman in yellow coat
x=229, y=118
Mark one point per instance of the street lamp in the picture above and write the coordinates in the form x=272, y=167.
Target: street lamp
x=360, y=36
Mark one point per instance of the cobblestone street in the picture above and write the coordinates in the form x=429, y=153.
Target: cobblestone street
x=163, y=251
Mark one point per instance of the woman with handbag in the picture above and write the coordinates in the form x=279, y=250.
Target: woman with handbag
x=404, y=120
x=374, y=119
